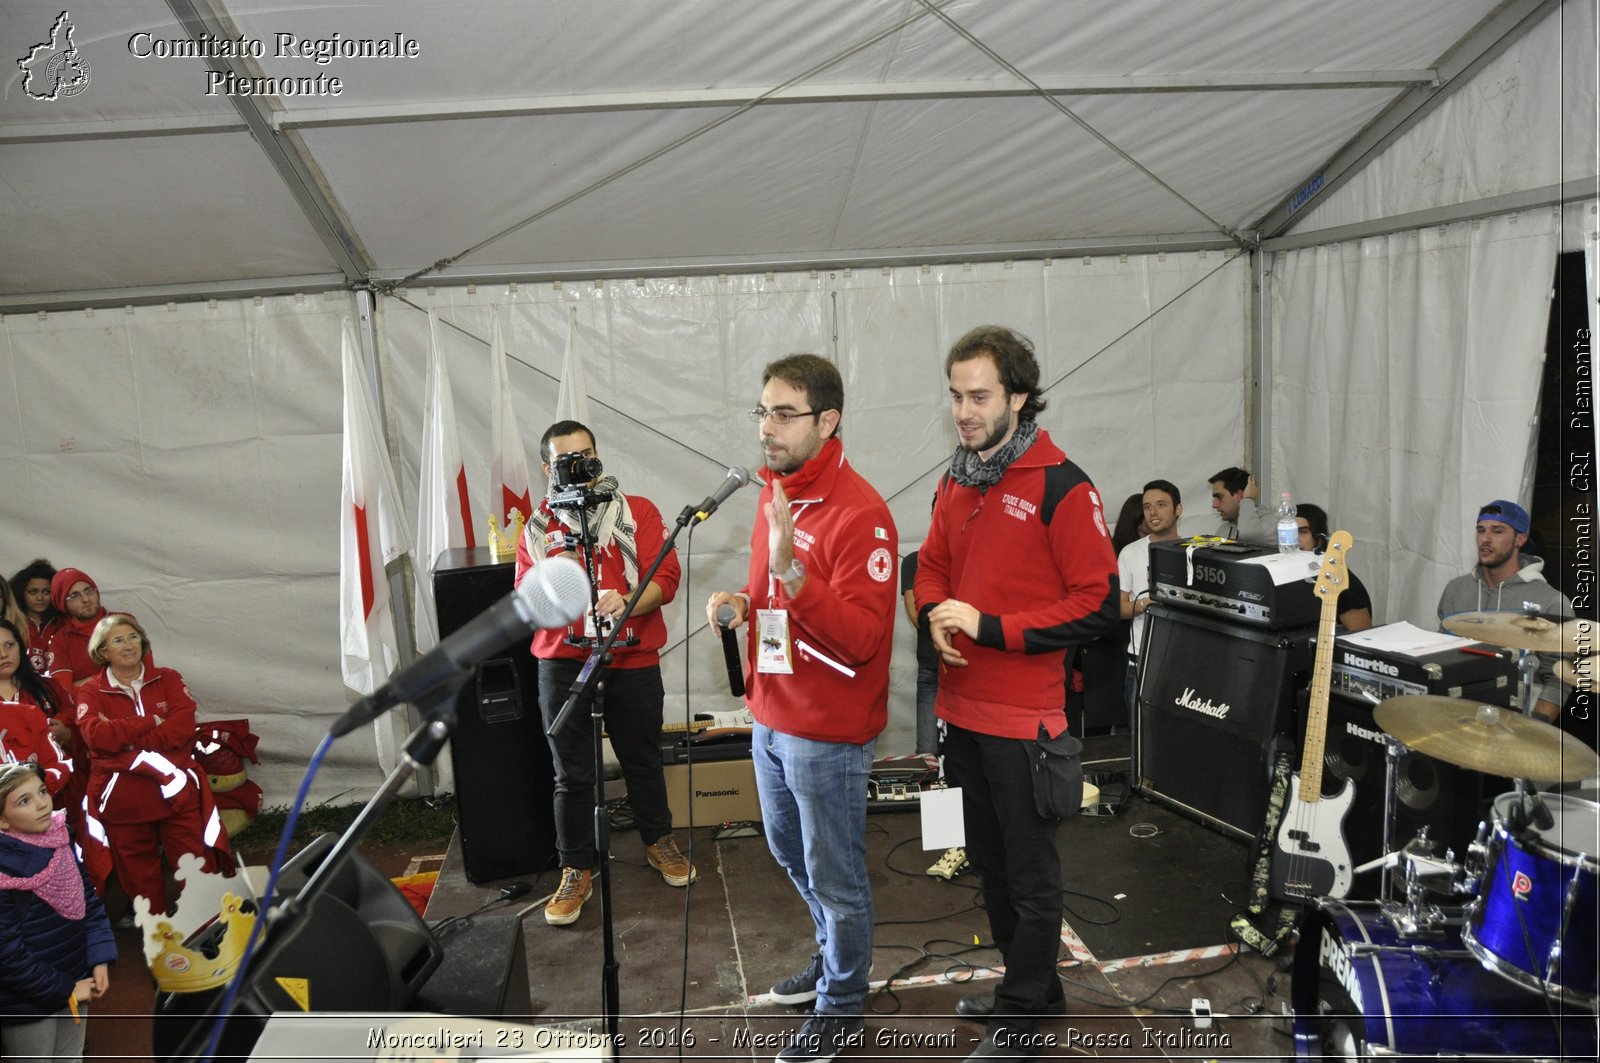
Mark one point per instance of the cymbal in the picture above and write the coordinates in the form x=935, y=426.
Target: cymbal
x=1579, y=673
x=1486, y=738
x=1520, y=631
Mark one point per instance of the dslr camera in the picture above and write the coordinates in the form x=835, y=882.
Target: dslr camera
x=575, y=469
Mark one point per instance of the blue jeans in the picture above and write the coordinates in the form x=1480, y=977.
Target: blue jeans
x=814, y=812
x=927, y=694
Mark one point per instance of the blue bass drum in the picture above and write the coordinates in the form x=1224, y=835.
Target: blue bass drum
x=1362, y=991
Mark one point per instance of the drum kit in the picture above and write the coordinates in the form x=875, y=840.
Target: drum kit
x=1495, y=955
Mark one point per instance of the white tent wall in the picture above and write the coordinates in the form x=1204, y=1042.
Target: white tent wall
x=188, y=458
x=1153, y=345
x=1527, y=121
x=1406, y=379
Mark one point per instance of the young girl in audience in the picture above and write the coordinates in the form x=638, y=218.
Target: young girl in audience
x=55, y=942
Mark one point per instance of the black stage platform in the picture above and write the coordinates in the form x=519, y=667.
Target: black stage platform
x=1150, y=897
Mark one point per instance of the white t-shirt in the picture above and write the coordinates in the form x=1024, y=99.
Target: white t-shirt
x=1133, y=573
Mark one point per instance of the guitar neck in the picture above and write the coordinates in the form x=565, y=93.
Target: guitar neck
x=1311, y=756
x=1331, y=582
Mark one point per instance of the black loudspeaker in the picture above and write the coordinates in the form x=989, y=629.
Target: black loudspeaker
x=1214, y=698
x=358, y=945
x=484, y=973
x=1104, y=664
x=505, y=783
x=1447, y=800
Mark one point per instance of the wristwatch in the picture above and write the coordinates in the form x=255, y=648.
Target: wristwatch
x=795, y=571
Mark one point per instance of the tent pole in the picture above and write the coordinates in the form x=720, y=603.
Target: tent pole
x=1258, y=415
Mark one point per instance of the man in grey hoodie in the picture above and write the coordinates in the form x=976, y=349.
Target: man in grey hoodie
x=1505, y=580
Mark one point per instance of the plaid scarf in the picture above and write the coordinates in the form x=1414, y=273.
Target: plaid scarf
x=969, y=470
x=610, y=522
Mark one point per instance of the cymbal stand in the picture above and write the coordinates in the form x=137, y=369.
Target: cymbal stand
x=1527, y=689
x=1393, y=749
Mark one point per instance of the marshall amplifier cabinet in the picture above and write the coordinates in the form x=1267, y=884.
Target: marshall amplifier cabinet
x=1389, y=661
x=1252, y=585
x=1214, y=698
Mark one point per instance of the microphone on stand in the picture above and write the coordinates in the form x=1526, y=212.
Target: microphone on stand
x=730, y=649
x=554, y=594
x=737, y=478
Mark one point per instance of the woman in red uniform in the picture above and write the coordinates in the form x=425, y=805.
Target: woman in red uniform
x=26, y=701
x=144, y=786
x=31, y=587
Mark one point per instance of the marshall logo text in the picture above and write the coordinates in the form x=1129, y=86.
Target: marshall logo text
x=1191, y=701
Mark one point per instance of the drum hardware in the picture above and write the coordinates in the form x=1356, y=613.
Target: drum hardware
x=1486, y=738
x=1419, y=870
x=1415, y=919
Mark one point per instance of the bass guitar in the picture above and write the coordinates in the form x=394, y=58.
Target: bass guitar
x=1311, y=857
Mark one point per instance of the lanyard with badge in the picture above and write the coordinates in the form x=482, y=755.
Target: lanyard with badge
x=775, y=650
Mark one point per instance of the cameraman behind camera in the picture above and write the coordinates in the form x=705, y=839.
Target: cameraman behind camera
x=586, y=517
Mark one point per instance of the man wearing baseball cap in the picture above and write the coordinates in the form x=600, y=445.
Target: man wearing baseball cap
x=1505, y=580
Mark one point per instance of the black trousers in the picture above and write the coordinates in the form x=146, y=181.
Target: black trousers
x=632, y=711
x=1013, y=849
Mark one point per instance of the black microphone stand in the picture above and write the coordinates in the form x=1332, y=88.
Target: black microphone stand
x=438, y=708
x=591, y=684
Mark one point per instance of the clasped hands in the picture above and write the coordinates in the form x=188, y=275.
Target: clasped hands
x=945, y=621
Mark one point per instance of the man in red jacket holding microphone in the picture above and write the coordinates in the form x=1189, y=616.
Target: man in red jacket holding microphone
x=1017, y=566
x=820, y=601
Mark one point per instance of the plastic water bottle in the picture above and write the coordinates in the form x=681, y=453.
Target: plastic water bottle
x=1288, y=527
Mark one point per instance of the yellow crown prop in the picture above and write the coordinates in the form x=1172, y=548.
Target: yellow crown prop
x=503, y=545
x=207, y=900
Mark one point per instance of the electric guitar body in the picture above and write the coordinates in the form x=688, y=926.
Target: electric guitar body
x=1310, y=857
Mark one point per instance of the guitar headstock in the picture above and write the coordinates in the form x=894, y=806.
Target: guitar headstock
x=1334, y=577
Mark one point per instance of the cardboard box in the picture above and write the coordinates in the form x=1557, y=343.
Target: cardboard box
x=724, y=792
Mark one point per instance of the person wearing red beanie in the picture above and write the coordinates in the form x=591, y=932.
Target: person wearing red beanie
x=77, y=596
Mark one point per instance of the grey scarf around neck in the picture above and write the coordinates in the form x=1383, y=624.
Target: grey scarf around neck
x=969, y=470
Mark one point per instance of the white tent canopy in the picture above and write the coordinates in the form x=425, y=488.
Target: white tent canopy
x=712, y=184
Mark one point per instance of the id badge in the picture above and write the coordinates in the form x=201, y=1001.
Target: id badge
x=774, y=655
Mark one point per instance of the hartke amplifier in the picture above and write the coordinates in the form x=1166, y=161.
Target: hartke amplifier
x=1214, y=698
x=505, y=784
x=1447, y=800
x=1366, y=666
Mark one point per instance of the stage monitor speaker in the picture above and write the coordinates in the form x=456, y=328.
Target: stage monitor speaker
x=357, y=946
x=1213, y=699
x=485, y=970
x=505, y=784
x=1448, y=800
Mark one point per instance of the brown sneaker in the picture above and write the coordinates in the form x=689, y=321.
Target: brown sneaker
x=567, y=901
x=673, y=865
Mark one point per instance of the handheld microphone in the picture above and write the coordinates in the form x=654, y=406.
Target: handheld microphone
x=730, y=649
x=554, y=594
x=737, y=478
